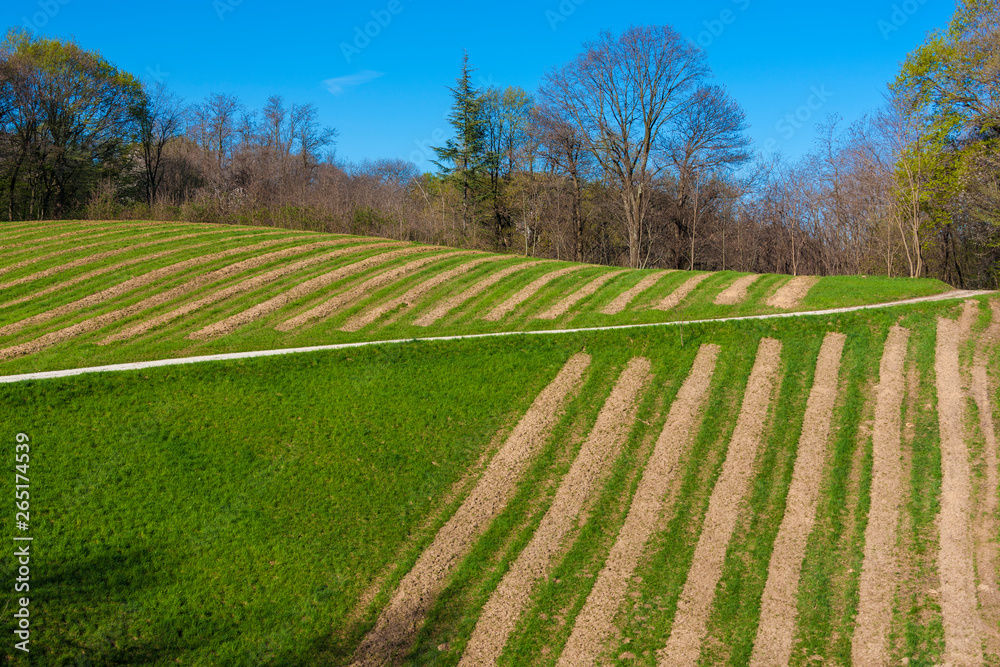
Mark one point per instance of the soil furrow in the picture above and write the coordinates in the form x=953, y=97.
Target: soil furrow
x=446, y=307
x=728, y=497
x=98, y=272
x=879, y=569
x=364, y=319
x=157, y=274
x=248, y=285
x=560, y=308
x=674, y=298
x=962, y=644
x=622, y=301
x=985, y=524
x=399, y=622
x=595, y=623
x=102, y=256
x=513, y=302
x=254, y=313
x=195, y=283
x=359, y=292
x=791, y=294
x=31, y=261
x=737, y=292
x=776, y=629
x=512, y=596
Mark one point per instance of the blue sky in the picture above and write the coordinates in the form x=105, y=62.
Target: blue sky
x=789, y=64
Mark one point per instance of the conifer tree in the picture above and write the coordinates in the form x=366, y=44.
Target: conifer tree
x=463, y=157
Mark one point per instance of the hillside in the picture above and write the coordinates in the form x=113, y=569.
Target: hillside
x=76, y=294
x=815, y=489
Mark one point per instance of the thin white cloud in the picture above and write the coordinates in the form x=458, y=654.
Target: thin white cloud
x=341, y=84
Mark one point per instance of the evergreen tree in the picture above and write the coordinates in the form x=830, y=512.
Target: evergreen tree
x=462, y=158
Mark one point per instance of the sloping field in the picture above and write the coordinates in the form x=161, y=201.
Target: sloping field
x=818, y=490
x=76, y=294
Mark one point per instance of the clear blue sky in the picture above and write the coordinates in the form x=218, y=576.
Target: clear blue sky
x=389, y=98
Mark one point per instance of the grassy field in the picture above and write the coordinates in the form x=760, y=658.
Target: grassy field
x=81, y=294
x=377, y=504
x=263, y=512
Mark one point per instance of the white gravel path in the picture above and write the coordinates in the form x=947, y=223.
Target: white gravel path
x=142, y=365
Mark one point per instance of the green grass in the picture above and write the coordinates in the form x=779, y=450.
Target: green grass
x=235, y=513
x=171, y=340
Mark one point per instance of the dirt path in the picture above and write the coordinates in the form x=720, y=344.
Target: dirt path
x=595, y=623
x=985, y=523
x=879, y=569
x=153, y=276
x=791, y=294
x=513, y=302
x=446, y=307
x=254, y=313
x=622, y=301
x=693, y=608
x=674, y=298
x=962, y=644
x=362, y=320
x=243, y=287
x=776, y=629
x=512, y=596
x=400, y=620
x=361, y=291
x=560, y=308
x=737, y=292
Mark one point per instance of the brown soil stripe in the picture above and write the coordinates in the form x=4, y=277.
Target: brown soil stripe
x=253, y=314
x=513, y=302
x=737, y=292
x=595, y=623
x=985, y=525
x=41, y=258
x=684, y=645
x=399, y=622
x=679, y=294
x=364, y=319
x=592, y=464
x=33, y=228
x=879, y=570
x=105, y=255
x=157, y=274
x=560, y=308
x=622, y=301
x=962, y=644
x=776, y=629
x=360, y=291
x=91, y=274
x=191, y=285
x=790, y=294
x=34, y=243
x=446, y=307
x=248, y=285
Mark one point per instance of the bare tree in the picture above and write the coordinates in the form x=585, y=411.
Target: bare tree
x=159, y=121
x=622, y=93
x=708, y=139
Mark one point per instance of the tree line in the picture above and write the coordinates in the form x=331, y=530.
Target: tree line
x=626, y=155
